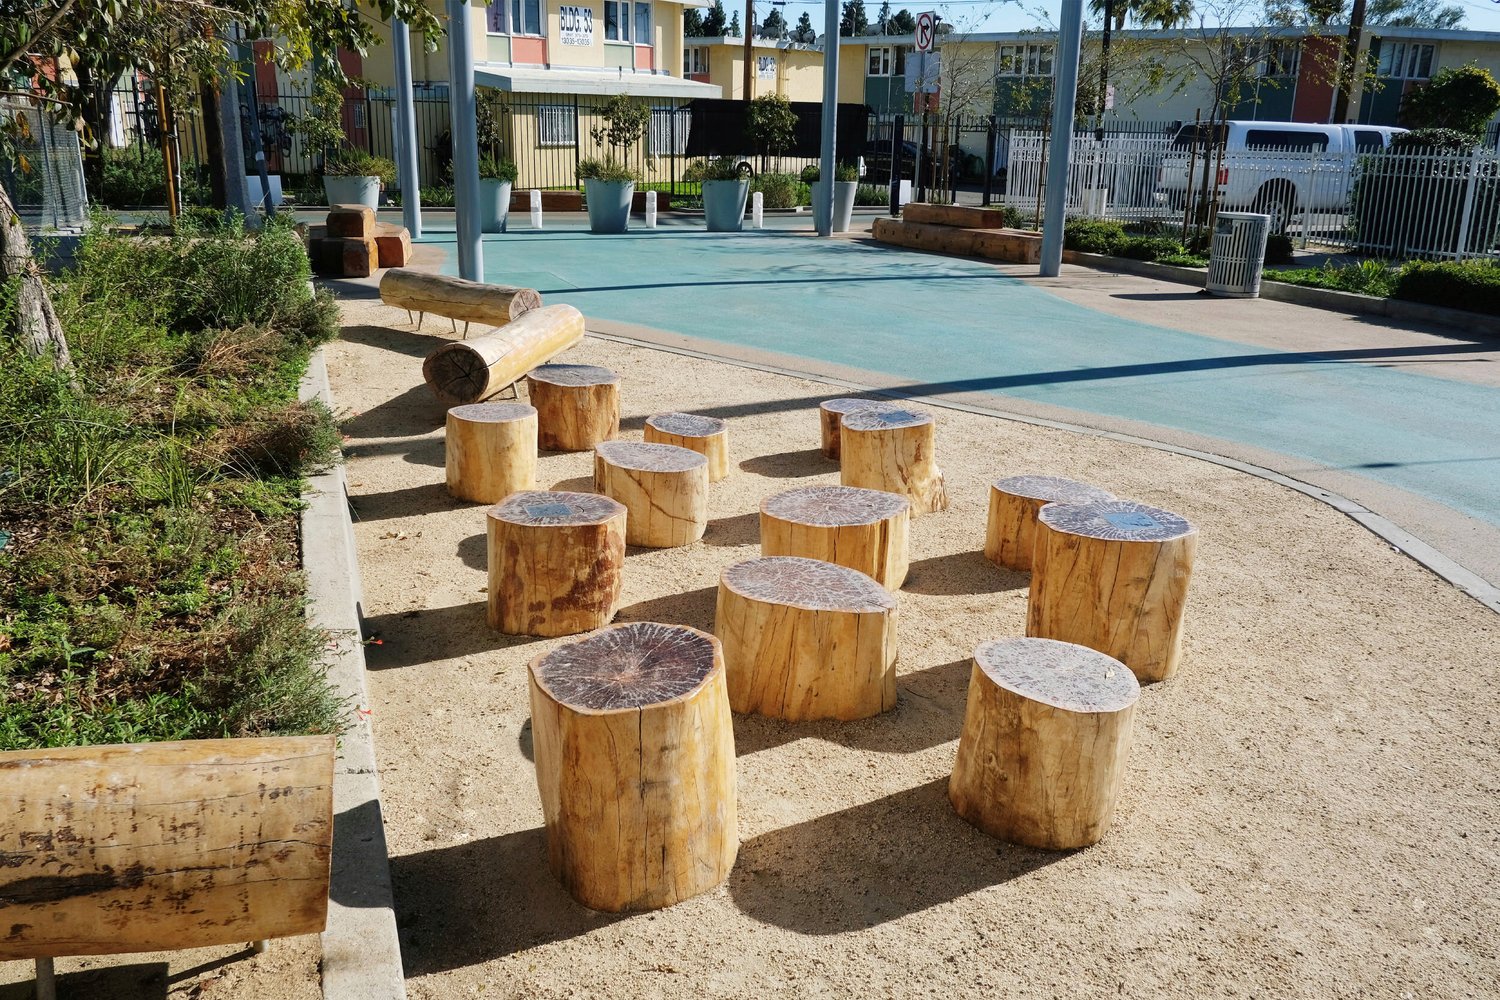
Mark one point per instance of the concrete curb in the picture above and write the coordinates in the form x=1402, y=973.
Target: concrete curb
x=1318, y=298
x=361, y=951
x=1403, y=541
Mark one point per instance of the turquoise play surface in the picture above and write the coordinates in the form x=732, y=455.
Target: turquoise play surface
x=957, y=326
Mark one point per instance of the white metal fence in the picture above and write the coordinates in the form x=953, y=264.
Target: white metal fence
x=1428, y=203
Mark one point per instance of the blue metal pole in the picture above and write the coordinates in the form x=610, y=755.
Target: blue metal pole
x=1064, y=97
x=823, y=204
x=406, y=132
x=465, y=143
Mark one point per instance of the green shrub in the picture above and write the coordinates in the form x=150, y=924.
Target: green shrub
x=1278, y=249
x=493, y=169
x=781, y=190
x=1369, y=277
x=608, y=169
x=1463, y=284
x=809, y=173
x=1183, y=259
x=872, y=194
x=720, y=168
x=133, y=176
x=350, y=162
x=1148, y=247
x=1093, y=235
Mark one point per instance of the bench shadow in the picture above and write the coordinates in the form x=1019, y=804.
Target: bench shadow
x=789, y=464
x=729, y=532
x=472, y=903
x=961, y=573
x=404, y=340
x=475, y=551
x=409, y=638
x=413, y=450
x=694, y=608
x=929, y=712
x=409, y=501
x=578, y=484
x=140, y=981
x=414, y=412
x=872, y=863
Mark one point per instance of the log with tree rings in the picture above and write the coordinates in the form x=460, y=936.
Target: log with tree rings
x=807, y=583
x=1115, y=521
x=553, y=508
x=1061, y=674
x=628, y=666
x=834, y=506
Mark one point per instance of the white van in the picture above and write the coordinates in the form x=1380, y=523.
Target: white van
x=1278, y=168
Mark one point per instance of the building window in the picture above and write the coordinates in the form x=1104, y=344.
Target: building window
x=880, y=61
x=1281, y=59
x=668, y=135
x=494, y=17
x=556, y=125
x=1405, y=61
x=617, y=20
x=643, y=24
x=526, y=17
x=694, y=61
x=1023, y=60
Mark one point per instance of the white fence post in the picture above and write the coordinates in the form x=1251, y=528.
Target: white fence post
x=1461, y=239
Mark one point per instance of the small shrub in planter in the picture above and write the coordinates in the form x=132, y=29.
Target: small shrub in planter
x=496, y=176
x=352, y=176
x=724, y=194
x=809, y=173
x=608, y=187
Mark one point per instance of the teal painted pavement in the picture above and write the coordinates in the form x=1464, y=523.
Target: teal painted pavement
x=959, y=326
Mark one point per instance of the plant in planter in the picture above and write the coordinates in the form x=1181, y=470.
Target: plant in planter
x=845, y=186
x=354, y=177
x=496, y=176
x=609, y=185
x=724, y=192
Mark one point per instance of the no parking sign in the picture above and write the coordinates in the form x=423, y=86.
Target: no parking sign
x=926, y=30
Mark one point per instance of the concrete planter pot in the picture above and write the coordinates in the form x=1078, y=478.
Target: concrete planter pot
x=494, y=205
x=724, y=205
x=843, y=204
x=352, y=191
x=609, y=205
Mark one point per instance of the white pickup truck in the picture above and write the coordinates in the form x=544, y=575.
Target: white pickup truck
x=1277, y=168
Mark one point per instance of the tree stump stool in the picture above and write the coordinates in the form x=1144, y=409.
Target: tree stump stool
x=1113, y=576
x=831, y=418
x=555, y=562
x=490, y=450
x=665, y=489
x=865, y=530
x=1046, y=733
x=634, y=749
x=806, y=639
x=708, y=436
x=1014, y=502
x=577, y=405
x=892, y=450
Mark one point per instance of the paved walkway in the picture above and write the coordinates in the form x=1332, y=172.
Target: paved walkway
x=1408, y=421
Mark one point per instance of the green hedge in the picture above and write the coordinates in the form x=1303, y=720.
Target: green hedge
x=1106, y=237
x=1461, y=284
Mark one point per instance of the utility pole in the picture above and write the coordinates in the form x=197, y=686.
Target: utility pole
x=823, y=200
x=1349, y=74
x=1109, y=27
x=749, y=55
x=465, y=144
x=1064, y=97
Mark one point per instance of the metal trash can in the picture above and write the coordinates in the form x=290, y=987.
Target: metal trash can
x=1238, y=254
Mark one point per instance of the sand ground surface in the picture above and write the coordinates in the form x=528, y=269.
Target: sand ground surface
x=289, y=971
x=1310, y=808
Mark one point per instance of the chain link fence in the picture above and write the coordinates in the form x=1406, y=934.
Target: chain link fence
x=41, y=166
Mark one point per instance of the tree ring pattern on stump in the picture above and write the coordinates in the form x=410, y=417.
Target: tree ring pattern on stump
x=649, y=457
x=628, y=666
x=1053, y=489
x=810, y=584
x=1115, y=521
x=849, y=404
x=1061, y=674
x=834, y=506
x=492, y=413
x=573, y=375
x=688, y=425
x=554, y=508
x=883, y=419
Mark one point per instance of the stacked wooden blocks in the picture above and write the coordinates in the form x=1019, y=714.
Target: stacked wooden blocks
x=351, y=244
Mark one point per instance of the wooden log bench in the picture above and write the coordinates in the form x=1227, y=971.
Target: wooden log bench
x=577, y=405
x=1113, y=576
x=708, y=436
x=806, y=639
x=474, y=370
x=1046, y=734
x=555, y=562
x=456, y=299
x=490, y=450
x=106, y=850
x=664, y=488
x=634, y=750
x=865, y=530
x=831, y=419
x=1010, y=532
x=893, y=450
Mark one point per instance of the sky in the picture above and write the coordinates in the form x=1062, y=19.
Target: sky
x=989, y=15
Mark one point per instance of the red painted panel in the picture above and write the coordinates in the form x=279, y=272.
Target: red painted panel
x=528, y=50
x=1314, y=97
x=355, y=126
x=700, y=77
x=265, y=70
x=644, y=56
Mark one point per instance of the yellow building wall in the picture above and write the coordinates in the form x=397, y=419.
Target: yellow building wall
x=853, y=61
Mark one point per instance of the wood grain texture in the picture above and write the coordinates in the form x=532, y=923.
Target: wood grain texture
x=865, y=530
x=112, y=849
x=894, y=451
x=1113, y=576
x=1047, y=730
x=489, y=450
x=455, y=298
x=831, y=420
x=577, y=405
x=472, y=370
x=708, y=436
x=634, y=749
x=806, y=639
x=1010, y=533
x=556, y=561
x=664, y=488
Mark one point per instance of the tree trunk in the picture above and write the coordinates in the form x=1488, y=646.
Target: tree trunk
x=213, y=143
x=36, y=321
